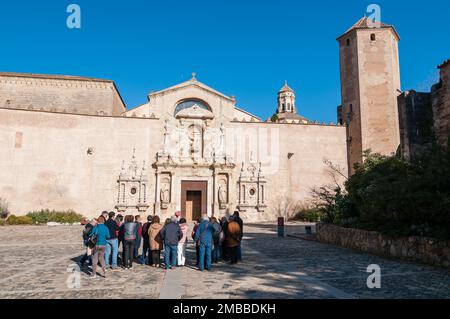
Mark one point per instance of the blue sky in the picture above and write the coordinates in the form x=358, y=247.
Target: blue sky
x=241, y=48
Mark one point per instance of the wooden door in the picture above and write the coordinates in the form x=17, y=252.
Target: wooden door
x=196, y=193
x=189, y=208
x=193, y=205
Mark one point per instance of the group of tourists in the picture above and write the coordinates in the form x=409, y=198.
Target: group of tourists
x=214, y=240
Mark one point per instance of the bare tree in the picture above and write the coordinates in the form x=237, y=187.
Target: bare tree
x=4, y=211
x=287, y=207
x=335, y=170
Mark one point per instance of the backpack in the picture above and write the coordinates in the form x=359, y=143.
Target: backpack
x=92, y=240
x=217, y=232
x=86, y=231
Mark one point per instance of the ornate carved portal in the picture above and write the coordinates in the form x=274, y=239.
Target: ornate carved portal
x=132, y=188
x=252, y=188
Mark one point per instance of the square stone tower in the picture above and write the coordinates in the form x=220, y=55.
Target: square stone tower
x=370, y=84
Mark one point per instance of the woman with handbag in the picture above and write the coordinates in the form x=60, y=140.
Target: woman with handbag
x=155, y=241
x=99, y=235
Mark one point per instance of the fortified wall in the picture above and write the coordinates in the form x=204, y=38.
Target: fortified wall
x=425, y=116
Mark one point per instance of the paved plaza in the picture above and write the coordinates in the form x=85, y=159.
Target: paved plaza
x=34, y=262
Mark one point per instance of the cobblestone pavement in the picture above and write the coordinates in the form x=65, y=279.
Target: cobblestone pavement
x=34, y=262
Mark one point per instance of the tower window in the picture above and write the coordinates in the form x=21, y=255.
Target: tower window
x=284, y=107
x=373, y=37
x=289, y=107
x=348, y=42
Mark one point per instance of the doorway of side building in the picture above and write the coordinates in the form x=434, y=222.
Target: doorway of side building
x=193, y=199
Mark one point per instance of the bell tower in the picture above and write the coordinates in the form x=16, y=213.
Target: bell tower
x=286, y=101
x=370, y=85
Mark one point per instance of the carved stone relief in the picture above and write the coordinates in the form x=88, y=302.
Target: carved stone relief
x=252, y=188
x=132, y=187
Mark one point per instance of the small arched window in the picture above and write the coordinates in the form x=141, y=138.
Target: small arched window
x=373, y=37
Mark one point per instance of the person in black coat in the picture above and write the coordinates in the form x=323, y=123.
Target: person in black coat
x=241, y=224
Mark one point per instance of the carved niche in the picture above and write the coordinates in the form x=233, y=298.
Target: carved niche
x=132, y=187
x=165, y=190
x=222, y=191
x=252, y=188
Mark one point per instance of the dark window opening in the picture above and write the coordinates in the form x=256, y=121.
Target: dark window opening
x=373, y=37
x=348, y=42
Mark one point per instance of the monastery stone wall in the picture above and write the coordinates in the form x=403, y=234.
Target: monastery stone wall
x=60, y=94
x=46, y=161
x=66, y=161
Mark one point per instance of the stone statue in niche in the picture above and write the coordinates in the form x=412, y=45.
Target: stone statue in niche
x=165, y=197
x=222, y=197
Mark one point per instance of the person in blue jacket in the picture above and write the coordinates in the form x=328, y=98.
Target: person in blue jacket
x=204, y=239
x=98, y=252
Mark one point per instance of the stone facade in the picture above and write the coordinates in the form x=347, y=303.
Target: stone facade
x=418, y=249
x=152, y=159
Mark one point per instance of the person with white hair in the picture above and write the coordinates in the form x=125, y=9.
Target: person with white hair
x=204, y=238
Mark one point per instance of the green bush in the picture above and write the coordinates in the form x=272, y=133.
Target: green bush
x=393, y=196
x=308, y=215
x=45, y=216
x=2, y=222
x=19, y=220
x=403, y=198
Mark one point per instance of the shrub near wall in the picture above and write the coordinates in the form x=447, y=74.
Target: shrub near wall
x=45, y=216
x=19, y=220
x=419, y=249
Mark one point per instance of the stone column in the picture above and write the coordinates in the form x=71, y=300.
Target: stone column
x=215, y=199
x=157, y=210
